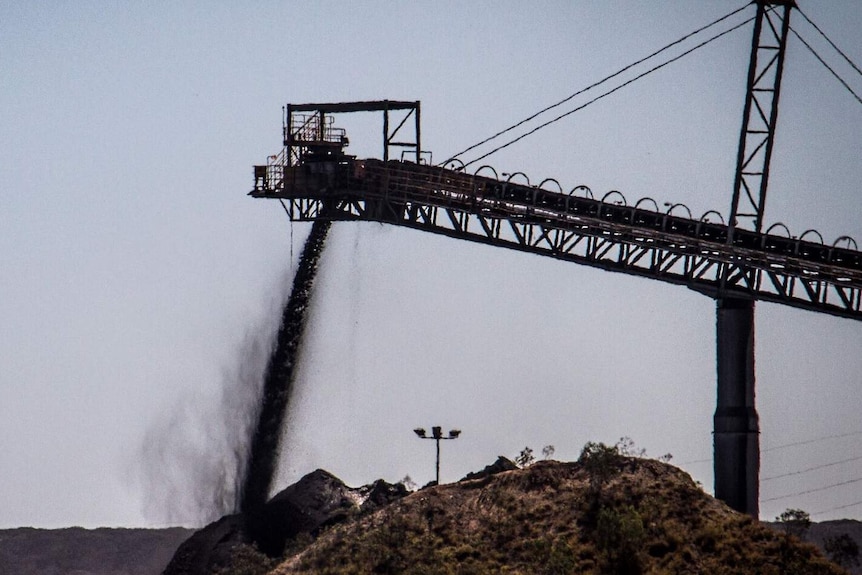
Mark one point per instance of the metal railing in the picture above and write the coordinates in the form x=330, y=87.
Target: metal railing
x=604, y=233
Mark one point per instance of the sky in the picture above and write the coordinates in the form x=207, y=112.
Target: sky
x=141, y=286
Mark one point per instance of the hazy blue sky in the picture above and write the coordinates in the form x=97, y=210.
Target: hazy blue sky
x=135, y=273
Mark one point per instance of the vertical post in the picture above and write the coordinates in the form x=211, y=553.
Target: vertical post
x=288, y=139
x=736, y=441
x=437, y=475
x=418, y=137
x=437, y=434
x=386, y=133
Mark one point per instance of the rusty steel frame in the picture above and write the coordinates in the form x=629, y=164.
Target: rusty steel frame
x=325, y=110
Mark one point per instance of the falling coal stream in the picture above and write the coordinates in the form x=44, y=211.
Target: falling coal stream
x=279, y=374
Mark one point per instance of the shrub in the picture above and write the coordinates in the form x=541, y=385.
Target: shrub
x=626, y=447
x=525, y=458
x=795, y=522
x=601, y=462
x=620, y=535
x=843, y=550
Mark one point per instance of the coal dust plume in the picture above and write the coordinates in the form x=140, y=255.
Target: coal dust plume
x=278, y=378
x=192, y=460
x=206, y=459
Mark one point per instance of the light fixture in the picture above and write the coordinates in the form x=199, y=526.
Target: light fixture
x=437, y=435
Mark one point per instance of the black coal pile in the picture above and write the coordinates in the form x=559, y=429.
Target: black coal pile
x=297, y=514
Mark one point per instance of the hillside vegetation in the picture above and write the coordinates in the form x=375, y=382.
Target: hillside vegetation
x=603, y=514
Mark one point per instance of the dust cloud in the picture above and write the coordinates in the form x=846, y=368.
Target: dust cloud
x=192, y=461
x=206, y=459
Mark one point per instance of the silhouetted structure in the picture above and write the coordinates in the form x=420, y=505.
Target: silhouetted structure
x=437, y=436
x=734, y=262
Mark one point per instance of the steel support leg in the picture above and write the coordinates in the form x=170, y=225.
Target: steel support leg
x=736, y=442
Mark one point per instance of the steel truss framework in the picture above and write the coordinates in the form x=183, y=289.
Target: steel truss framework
x=760, y=114
x=604, y=234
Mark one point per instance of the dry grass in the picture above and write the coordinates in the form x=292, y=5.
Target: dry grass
x=647, y=517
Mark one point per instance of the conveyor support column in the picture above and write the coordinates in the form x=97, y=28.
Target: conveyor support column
x=736, y=441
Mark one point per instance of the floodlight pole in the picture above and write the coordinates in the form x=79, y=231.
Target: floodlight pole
x=437, y=435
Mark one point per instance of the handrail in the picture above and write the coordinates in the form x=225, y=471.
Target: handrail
x=434, y=185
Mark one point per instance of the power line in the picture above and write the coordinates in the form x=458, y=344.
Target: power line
x=600, y=82
x=609, y=92
x=708, y=459
x=827, y=66
x=809, y=441
x=837, y=508
x=831, y=43
x=801, y=471
x=786, y=445
x=815, y=490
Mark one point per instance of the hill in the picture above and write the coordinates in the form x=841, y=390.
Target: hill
x=622, y=516
x=820, y=533
x=27, y=551
x=605, y=513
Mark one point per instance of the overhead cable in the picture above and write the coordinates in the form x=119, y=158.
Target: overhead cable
x=815, y=490
x=692, y=462
x=786, y=445
x=609, y=92
x=801, y=471
x=827, y=66
x=831, y=43
x=822, y=511
x=600, y=82
x=287, y=211
x=815, y=440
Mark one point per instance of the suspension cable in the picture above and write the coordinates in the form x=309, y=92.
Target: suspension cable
x=787, y=445
x=827, y=66
x=831, y=43
x=815, y=440
x=822, y=511
x=816, y=467
x=287, y=211
x=609, y=92
x=600, y=82
x=814, y=490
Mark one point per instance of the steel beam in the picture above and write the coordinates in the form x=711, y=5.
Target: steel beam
x=736, y=441
x=342, y=107
x=628, y=239
x=760, y=115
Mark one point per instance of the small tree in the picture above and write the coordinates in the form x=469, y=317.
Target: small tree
x=795, y=522
x=548, y=451
x=600, y=462
x=525, y=458
x=626, y=446
x=843, y=550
